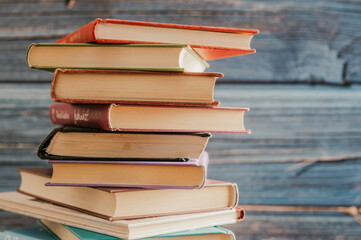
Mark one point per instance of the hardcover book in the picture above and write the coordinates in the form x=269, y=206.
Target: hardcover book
x=133, y=87
x=127, y=229
x=209, y=42
x=71, y=143
x=178, y=175
x=115, y=117
x=73, y=233
x=127, y=203
x=161, y=57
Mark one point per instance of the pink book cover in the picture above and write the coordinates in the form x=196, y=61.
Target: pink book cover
x=201, y=162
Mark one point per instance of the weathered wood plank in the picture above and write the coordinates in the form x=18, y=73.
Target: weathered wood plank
x=287, y=122
x=326, y=184
x=259, y=225
x=300, y=41
x=291, y=225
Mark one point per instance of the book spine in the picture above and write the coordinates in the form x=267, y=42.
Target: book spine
x=89, y=116
x=241, y=214
x=203, y=161
x=235, y=194
x=53, y=82
x=84, y=34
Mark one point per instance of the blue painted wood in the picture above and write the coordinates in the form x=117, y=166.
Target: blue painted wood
x=261, y=225
x=305, y=41
x=326, y=184
x=288, y=123
x=300, y=41
x=297, y=225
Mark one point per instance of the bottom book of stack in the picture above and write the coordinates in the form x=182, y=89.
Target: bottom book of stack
x=124, y=229
x=53, y=231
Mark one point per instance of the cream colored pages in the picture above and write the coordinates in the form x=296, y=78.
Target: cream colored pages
x=127, y=229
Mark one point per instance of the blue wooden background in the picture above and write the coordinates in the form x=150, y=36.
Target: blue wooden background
x=305, y=145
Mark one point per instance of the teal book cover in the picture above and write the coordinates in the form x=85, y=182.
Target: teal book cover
x=89, y=235
x=28, y=234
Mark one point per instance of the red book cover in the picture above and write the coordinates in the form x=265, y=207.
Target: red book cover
x=163, y=118
x=87, y=34
x=90, y=116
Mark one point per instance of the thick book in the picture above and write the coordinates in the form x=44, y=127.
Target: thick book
x=72, y=143
x=209, y=42
x=151, y=57
x=133, y=87
x=127, y=203
x=138, y=174
x=127, y=229
x=34, y=233
x=73, y=233
x=144, y=118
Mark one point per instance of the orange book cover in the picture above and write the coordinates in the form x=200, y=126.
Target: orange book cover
x=87, y=34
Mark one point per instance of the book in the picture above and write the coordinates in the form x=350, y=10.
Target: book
x=73, y=233
x=34, y=233
x=133, y=87
x=209, y=42
x=177, y=175
x=127, y=203
x=127, y=229
x=151, y=57
x=71, y=143
x=115, y=117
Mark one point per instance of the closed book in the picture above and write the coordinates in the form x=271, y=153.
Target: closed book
x=133, y=87
x=115, y=117
x=72, y=143
x=127, y=229
x=73, y=233
x=34, y=233
x=209, y=42
x=162, y=57
x=127, y=203
x=146, y=174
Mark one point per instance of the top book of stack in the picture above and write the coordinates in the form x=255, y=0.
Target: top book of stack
x=209, y=42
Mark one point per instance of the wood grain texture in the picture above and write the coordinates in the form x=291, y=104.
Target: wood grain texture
x=287, y=122
x=300, y=41
x=260, y=225
x=327, y=184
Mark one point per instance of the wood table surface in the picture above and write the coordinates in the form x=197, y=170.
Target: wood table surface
x=304, y=150
x=305, y=146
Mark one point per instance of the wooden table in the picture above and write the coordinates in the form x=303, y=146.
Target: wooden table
x=304, y=150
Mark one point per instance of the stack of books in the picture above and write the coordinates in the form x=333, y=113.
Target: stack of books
x=136, y=113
